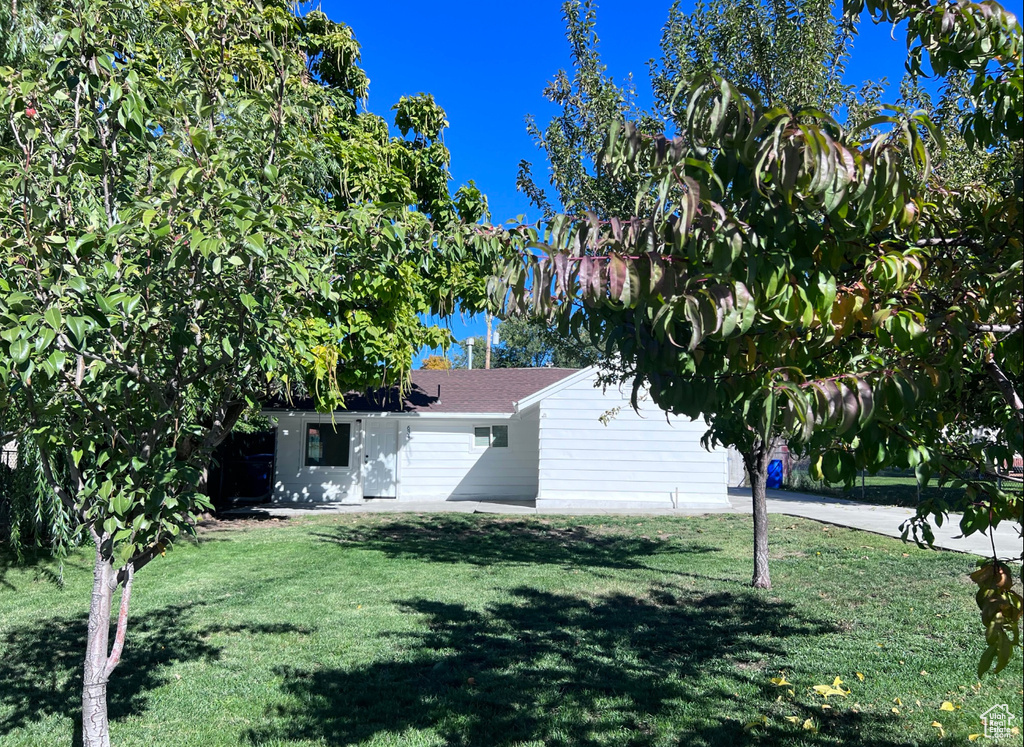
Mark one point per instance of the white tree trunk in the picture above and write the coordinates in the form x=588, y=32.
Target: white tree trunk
x=95, y=728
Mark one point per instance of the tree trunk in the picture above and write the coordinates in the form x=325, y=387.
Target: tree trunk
x=757, y=468
x=95, y=729
x=98, y=664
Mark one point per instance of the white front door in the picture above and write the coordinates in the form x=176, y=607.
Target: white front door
x=380, y=459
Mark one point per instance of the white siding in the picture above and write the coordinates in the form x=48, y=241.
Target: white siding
x=437, y=460
x=737, y=472
x=294, y=482
x=632, y=462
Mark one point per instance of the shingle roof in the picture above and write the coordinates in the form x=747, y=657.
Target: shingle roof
x=461, y=390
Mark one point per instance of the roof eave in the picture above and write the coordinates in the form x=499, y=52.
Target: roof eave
x=558, y=386
x=418, y=415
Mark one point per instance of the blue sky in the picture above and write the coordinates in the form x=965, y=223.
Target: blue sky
x=487, y=65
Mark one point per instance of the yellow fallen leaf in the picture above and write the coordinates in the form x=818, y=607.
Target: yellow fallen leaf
x=759, y=721
x=826, y=707
x=809, y=726
x=937, y=725
x=973, y=737
x=946, y=706
x=793, y=719
x=780, y=681
x=860, y=676
x=924, y=673
x=897, y=701
x=896, y=711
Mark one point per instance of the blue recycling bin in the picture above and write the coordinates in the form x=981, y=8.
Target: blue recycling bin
x=775, y=474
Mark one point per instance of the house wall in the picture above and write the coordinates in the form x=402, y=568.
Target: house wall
x=635, y=461
x=294, y=482
x=737, y=471
x=438, y=461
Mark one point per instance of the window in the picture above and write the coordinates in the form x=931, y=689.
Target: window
x=491, y=435
x=327, y=444
x=499, y=435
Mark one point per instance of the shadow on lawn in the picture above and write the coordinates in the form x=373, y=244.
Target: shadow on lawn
x=41, y=668
x=454, y=539
x=38, y=559
x=554, y=669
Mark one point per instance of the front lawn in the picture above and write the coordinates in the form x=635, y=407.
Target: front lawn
x=485, y=631
x=888, y=490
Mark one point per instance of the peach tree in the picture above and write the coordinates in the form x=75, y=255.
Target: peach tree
x=782, y=275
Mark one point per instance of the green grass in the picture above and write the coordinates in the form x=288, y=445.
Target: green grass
x=889, y=490
x=512, y=631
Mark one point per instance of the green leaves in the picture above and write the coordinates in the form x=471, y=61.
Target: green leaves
x=201, y=233
x=1001, y=611
x=19, y=351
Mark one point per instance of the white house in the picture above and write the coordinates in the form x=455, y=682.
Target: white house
x=528, y=433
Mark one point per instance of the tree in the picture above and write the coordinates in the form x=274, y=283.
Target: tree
x=791, y=53
x=436, y=363
x=461, y=358
x=196, y=215
x=591, y=101
x=529, y=343
x=801, y=274
x=787, y=55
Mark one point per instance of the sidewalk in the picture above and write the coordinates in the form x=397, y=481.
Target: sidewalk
x=885, y=520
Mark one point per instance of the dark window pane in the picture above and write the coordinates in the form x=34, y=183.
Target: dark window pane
x=499, y=435
x=327, y=445
x=481, y=436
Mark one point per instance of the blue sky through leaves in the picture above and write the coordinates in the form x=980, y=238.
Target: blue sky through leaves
x=487, y=65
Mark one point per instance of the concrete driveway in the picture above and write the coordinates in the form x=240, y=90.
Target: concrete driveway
x=884, y=520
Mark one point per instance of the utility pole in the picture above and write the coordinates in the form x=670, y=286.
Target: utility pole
x=487, y=350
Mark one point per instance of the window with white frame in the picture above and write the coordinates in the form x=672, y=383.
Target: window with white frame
x=327, y=444
x=495, y=436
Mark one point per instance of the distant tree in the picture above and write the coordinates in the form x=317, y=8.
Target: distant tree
x=590, y=100
x=791, y=53
x=529, y=343
x=460, y=358
x=436, y=363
